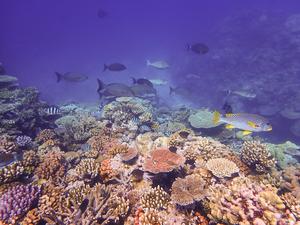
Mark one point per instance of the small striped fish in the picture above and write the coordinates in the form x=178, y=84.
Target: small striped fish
x=52, y=110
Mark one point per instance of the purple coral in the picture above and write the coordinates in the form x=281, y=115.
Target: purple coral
x=23, y=141
x=16, y=201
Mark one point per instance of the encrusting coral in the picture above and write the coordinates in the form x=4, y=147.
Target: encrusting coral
x=162, y=161
x=186, y=191
x=256, y=155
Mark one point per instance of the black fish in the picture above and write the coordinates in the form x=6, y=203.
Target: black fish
x=8, y=158
x=227, y=108
x=142, y=81
x=52, y=110
x=114, y=67
x=198, y=48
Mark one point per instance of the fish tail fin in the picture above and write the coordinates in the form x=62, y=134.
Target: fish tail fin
x=100, y=85
x=188, y=46
x=105, y=67
x=148, y=62
x=133, y=80
x=216, y=117
x=58, y=77
x=172, y=90
x=228, y=92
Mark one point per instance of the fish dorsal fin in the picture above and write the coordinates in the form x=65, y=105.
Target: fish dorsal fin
x=252, y=124
x=229, y=126
x=246, y=132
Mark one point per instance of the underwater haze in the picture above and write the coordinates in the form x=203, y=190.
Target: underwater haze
x=150, y=112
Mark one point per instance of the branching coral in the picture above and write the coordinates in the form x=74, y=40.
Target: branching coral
x=292, y=203
x=45, y=135
x=222, y=167
x=53, y=165
x=155, y=198
x=162, y=161
x=178, y=139
x=86, y=169
x=246, y=202
x=16, y=201
x=186, y=191
x=255, y=154
x=106, y=171
x=7, y=145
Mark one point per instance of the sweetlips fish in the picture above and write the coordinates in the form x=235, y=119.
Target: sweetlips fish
x=247, y=122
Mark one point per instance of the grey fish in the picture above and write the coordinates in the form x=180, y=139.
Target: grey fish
x=114, y=67
x=143, y=91
x=113, y=90
x=179, y=91
x=198, y=48
x=161, y=64
x=71, y=77
x=142, y=81
x=8, y=158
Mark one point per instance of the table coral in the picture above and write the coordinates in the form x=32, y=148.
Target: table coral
x=186, y=191
x=222, y=167
x=256, y=154
x=162, y=161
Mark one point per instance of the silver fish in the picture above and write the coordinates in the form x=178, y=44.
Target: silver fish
x=70, y=77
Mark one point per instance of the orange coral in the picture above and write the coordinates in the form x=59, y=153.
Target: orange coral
x=200, y=220
x=162, y=161
x=106, y=172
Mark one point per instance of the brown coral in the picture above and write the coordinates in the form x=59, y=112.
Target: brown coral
x=45, y=135
x=130, y=154
x=178, y=139
x=222, y=167
x=256, y=154
x=292, y=203
x=291, y=180
x=155, y=198
x=7, y=145
x=187, y=190
x=53, y=166
x=162, y=161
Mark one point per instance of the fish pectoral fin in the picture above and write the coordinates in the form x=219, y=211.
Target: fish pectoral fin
x=229, y=126
x=246, y=132
x=252, y=124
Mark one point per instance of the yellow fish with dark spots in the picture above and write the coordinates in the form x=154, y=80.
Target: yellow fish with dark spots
x=247, y=122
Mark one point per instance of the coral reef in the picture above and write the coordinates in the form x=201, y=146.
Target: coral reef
x=291, y=180
x=203, y=118
x=162, y=161
x=186, y=191
x=155, y=198
x=256, y=155
x=245, y=202
x=16, y=201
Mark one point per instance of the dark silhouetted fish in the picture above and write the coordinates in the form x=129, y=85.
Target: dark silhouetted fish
x=143, y=91
x=227, y=108
x=198, y=48
x=101, y=13
x=113, y=90
x=8, y=158
x=180, y=91
x=142, y=81
x=114, y=67
x=71, y=77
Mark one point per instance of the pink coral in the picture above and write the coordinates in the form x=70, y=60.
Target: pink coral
x=162, y=161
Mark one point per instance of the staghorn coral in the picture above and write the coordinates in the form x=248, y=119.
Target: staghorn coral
x=222, y=167
x=246, y=202
x=53, y=166
x=149, y=216
x=117, y=148
x=77, y=192
x=186, y=191
x=155, y=198
x=45, y=135
x=101, y=204
x=256, y=154
x=86, y=169
x=16, y=202
x=32, y=217
x=291, y=180
x=162, y=160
